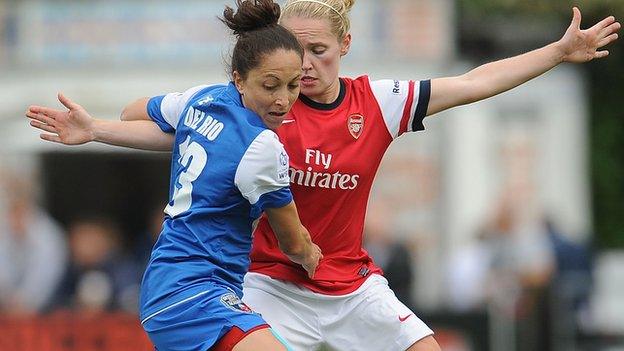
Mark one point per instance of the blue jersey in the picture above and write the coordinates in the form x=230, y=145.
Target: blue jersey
x=227, y=167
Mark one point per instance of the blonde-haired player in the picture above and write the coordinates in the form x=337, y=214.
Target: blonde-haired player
x=339, y=130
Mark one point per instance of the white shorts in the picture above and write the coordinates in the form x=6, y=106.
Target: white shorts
x=370, y=318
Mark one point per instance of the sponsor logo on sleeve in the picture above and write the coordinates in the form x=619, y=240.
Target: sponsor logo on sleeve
x=282, y=170
x=396, y=89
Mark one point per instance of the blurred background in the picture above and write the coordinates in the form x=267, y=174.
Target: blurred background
x=502, y=224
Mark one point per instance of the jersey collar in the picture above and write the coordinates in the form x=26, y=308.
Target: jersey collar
x=234, y=94
x=332, y=105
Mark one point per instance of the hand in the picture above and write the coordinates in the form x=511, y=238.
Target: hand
x=72, y=127
x=582, y=45
x=312, y=260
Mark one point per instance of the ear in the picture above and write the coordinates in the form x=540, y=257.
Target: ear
x=345, y=45
x=238, y=82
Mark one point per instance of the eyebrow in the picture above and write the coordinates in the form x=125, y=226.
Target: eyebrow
x=271, y=75
x=316, y=44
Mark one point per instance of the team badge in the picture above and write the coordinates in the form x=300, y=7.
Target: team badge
x=283, y=158
x=356, y=125
x=233, y=302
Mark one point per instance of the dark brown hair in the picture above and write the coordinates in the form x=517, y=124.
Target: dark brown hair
x=255, y=25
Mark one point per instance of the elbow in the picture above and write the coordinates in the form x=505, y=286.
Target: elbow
x=125, y=114
x=136, y=110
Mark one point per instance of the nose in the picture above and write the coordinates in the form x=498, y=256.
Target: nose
x=307, y=64
x=281, y=99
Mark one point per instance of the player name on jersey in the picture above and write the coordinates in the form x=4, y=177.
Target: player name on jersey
x=203, y=124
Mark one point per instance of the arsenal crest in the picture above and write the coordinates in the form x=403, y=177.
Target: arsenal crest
x=356, y=125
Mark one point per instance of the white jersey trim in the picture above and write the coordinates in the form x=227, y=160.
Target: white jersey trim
x=392, y=95
x=173, y=104
x=173, y=305
x=410, y=123
x=263, y=168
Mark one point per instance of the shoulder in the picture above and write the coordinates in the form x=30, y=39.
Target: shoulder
x=361, y=85
x=268, y=140
x=205, y=95
x=362, y=81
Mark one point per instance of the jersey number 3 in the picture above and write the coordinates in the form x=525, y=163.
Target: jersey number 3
x=193, y=159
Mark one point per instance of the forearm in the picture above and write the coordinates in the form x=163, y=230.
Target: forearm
x=144, y=135
x=491, y=79
x=499, y=76
x=292, y=237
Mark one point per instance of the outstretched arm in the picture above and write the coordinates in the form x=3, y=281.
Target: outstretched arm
x=76, y=126
x=575, y=46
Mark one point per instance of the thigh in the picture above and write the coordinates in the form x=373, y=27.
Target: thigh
x=373, y=319
x=427, y=343
x=198, y=323
x=291, y=315
x=262, y=339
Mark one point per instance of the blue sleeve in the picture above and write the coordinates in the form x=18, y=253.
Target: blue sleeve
x=274, y=199
x=155, y=113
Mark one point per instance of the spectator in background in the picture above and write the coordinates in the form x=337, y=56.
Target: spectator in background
x=469, y=269
x=33, y=251
x=572, y=280
x=522, y=266
x=571, y=258
x=147, y=238
x=388, y=252
x=99, y=277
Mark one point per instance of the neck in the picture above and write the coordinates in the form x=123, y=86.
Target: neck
x=329, y=95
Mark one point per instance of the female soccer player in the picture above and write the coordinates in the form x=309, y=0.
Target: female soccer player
x=228, y=167
x=336, y=135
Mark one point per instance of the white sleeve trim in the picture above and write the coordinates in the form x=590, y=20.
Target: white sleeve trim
x=173, y=104
x=263, y=168
x=410, y=123
x=392, y=95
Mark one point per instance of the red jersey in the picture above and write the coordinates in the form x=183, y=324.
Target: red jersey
x=335, y=151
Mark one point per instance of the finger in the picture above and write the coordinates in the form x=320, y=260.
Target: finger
x=613, y=28
x=67, y=102
x=606, y=41
x=601, y=54
x=604, y=23
x=51, y=137
x=41, y=118
x=576, y=18
x=43, y=126
x=34, y=109
x=44, y=110
x=309, y=271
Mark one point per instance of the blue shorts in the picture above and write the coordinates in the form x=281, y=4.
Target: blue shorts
x=197, y=323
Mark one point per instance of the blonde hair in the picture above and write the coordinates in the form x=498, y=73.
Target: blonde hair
x=336, y=11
